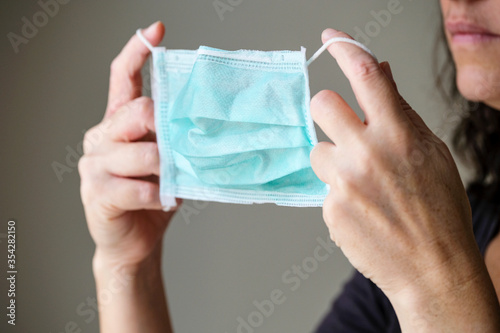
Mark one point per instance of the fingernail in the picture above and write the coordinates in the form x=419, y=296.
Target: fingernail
x=386, y=67
x=329, y=33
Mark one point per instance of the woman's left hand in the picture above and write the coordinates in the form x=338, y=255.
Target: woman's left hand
x=397, y=207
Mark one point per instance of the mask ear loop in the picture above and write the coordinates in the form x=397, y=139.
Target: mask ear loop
x=170, y=203
x=339, y=40
x=144, y=40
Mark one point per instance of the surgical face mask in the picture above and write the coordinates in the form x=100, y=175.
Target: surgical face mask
x=235, y=126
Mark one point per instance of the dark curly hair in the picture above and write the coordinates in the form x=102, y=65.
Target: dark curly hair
x=476, y=139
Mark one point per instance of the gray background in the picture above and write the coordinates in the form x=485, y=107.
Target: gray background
x=224, y=257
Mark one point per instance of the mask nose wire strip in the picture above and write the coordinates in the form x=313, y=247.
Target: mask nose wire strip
x=144, y=40
x=310, y=61
x=339, y=40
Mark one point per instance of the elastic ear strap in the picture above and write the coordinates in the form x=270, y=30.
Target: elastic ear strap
x=144, y=40
x=339, y=40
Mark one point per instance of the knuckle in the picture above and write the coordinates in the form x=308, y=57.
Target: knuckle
x=346, y=182
x=144, y=102
x=85, y=165
x=365, y=158
x=315, y=156
x=320, y=157
x=333, y=239
x=150, y=154
x=365, y=68
x=86, y=190
x=404, y=132
x=86, y=139
x=358, y=170
x=333, y=215
x=88, y=186
x=145, y=107
x=92, y=138
x=86, y=134
x=115, y=65
x=404, y=143
x=147, y=192
x=331, y=208
x=318, y=151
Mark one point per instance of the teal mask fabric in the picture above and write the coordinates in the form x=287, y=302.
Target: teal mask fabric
x=234, y=126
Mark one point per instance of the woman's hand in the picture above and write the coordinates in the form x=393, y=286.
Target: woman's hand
x=397, y=207
x=119, y=187
x=120, y=167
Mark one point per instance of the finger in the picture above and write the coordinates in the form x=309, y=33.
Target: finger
x=373, y=90
x=125, y=81
x=132, y=194
x=132, y=121
x=334, y=116
x=412, y=115
x=138, y=159
x=386, y=67
x=322, y=161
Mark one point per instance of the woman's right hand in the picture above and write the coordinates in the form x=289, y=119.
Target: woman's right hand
x=120, y=166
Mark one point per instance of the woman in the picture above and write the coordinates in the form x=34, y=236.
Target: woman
x=397, y=208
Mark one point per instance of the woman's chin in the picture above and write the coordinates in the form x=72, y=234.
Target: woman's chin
x=479, y=85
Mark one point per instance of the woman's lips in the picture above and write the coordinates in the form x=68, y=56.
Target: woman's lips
x=466, y=33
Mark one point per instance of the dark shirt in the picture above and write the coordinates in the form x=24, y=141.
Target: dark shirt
x=363, y=308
